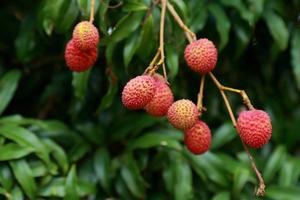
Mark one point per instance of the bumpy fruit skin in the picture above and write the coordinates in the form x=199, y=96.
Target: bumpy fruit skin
x=138, y=92
x=162, y=100
x=183, y=114
x=198, y=138
x=254, y=127
x=85, y=36
x=201, y=56
x=78, y=60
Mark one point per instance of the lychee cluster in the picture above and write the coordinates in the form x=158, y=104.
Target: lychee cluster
x=81, y=51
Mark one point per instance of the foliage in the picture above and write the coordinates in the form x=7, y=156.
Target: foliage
x=67, y=136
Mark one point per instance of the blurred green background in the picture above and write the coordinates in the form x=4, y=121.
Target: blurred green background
x=66, y=135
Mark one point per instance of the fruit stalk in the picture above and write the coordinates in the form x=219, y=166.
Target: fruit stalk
x=200, y=95
x=92, y=11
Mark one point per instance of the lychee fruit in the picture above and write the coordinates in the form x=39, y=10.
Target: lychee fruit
x=198, y=138
x=183, y=114
x=201, y=56
x=162, y=100
x=254, y=127
x=138, y=92
x=85, y=36
x=78, y=60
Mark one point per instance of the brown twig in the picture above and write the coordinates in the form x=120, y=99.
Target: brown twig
x=261, y=190
x=116, y=6
x=200, y=95
x=92, y=11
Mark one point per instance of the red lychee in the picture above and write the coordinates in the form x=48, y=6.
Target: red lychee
x=138, y=92
x=201, y=56
x=183, y=114
x=85, y=36
x=78, y=60
x=254, y=127
x=198, y=138
x=162, y=99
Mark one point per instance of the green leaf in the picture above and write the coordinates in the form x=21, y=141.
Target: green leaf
x=58, y=153
x=134, y=6
x=14, y=151
x=102, y=12
x=277, y=28
x=199, y=19
x=102, y=167
x=131, y=176
x=131, y=46
x=222, y=196
x=8, y=85
x=147, y=42
x=79, y=83
x=295, y=55
x=24, y=176
x=6, y=179
x=257, y=8
x=274, y=163
x=126, y=26
x=150, y=140
x=17, y=194
x=241, y=8
x=289, y=172
x=223, y=135
x=172, y=59
x=67, y=16
x=222, y=23
x=108, y=98
x=241, y=176
x=71, y=192
x=50, y=13
x=282, y=193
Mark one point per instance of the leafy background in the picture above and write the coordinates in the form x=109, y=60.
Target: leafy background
x=67, y=136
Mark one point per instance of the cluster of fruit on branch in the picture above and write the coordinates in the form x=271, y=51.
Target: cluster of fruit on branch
x=152, y=92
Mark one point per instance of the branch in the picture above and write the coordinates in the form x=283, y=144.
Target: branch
x=200, y=95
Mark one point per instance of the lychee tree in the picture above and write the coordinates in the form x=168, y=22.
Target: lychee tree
x=104, y=99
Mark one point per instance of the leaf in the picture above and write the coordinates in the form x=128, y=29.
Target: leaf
x=24, y=176
x=222, y=196
x=50, y=13
x=154, y=139
x=58, y=153
x=108, y=98
x=17, y=194
x=223, y=135
x=102, y=167
x=222, y=23
x=295, y=55
x=102, y=12
x=126, y=26
x=257, y=8
x=198, y=21
x=147, y=41
x=289, y=172
x=71, y=192
x=79, y=83
x=241, y=176
x=172, y=59
x=134, y=6
x=6, y=178
x=274, y=163
x=8, y=85
x=282, y=193
x=241, y=8
x=67, y=16
x=131, y=46
x=131, y=176
x=277, y=28
x=14, y=151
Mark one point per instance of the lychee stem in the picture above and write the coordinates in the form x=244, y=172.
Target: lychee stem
x=92, y=11
x=261, y=190
x=200, y=95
